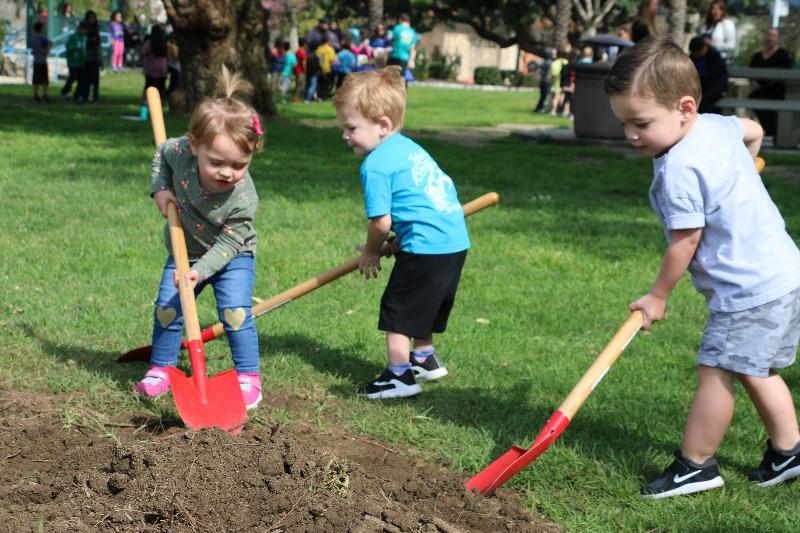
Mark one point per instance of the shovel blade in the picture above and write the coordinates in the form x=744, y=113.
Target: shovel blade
x=222, y=407
x=507, y=465
x=142, y=353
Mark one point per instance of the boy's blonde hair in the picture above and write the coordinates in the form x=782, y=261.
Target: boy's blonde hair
x=374, y=94
x=654, y=68
x=229, y=115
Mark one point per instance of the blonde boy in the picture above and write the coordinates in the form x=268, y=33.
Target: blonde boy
x=722, y=226
x=406, y=192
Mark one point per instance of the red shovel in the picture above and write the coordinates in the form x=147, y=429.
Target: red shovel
x=507, y=465
x=202, y=402
x=212, y=332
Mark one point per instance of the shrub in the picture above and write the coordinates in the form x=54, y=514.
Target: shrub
x=443, y=67
x=488, y=76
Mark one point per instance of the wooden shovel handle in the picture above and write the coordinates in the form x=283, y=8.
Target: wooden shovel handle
x=598, y=370
x=181, y=258
x=156, y=115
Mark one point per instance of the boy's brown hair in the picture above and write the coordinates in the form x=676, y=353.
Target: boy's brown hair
x=229, y=115
x=374, y=94
x=655, y=68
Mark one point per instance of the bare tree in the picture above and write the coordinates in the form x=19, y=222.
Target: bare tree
x=592, y=12
x=211, y=33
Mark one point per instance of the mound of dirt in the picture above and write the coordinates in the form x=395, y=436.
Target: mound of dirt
x=284, y=478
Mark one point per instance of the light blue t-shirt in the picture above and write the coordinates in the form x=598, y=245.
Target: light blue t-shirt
x=402, y=180
x=708, y=180
x=403, y=38
x=290, y=60
x=346, y=61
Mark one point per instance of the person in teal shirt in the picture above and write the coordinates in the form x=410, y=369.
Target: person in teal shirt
x=76, y=52
x=289, y=62
x=404, y=41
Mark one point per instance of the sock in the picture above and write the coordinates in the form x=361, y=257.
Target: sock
x=399, y=370
x=422, y=355
x=708, y=462
x=793, y=451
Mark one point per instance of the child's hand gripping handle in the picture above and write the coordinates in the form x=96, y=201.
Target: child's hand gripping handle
x=156, y=115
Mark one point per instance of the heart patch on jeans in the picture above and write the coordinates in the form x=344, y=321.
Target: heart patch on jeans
x=235, y=318
x=165, y=316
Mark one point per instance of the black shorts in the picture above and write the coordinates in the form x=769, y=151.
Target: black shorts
x=420, y=293
x=40, y=76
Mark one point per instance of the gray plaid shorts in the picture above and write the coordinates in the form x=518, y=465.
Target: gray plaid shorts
x=753, y=341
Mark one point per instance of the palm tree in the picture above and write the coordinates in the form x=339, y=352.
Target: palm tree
x=375, y=13
x=677, y=22
x=563, y=18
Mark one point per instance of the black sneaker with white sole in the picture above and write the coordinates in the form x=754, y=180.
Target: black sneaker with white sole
x=775, y=467
x=390, y=385
x=430, y=370
x=683, y=477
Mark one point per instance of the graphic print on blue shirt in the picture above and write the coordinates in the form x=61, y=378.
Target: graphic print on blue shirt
x=402, y=180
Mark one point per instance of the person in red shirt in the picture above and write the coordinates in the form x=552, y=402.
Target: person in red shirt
x=300, y=70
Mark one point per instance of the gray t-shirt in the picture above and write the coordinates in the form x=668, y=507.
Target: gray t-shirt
x=40, y=46
x=708, y=180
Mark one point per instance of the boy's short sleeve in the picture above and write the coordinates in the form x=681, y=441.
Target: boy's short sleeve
x=681, y=200
x=377, y=193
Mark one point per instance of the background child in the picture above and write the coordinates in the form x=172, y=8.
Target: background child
x=404, y=191
x=89, y=87
x=76, y=51
x=205, y=174
x=117, y=31
x=40, y=47
x=289, y=62
x=722, y=226
x=155, y=62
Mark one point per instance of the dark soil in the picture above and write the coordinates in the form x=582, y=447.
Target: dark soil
x=284, y=478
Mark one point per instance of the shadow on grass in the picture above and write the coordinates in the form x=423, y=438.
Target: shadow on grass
x=512, y=415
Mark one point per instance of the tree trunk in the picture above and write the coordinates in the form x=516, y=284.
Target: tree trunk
x=563, y=18
x=677, y=22
x=375, y=13
x=211, y=33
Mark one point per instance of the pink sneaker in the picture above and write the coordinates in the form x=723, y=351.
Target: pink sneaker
x=250, y=383
x=154, y=384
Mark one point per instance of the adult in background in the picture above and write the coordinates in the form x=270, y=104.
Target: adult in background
x=544, y=80
x=771, y=56
x=644, y=23
x=712, y=71
x=315, y=35
x=404, y=44
x=720, y=29
x=379, y=45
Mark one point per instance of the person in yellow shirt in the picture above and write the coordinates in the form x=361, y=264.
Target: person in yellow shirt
x=326, y=55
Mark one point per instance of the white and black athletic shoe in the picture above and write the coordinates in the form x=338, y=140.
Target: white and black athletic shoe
x=775, y=468
x=390, y=385
x=683, y=477
x=430, y=370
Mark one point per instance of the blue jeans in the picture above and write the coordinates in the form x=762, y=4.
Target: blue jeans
x=233, y=289
x=311, y=87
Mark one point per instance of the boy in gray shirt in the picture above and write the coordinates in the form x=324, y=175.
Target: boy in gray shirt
x=722, y=226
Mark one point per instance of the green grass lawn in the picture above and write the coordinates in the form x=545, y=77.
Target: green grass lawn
x=545, y=286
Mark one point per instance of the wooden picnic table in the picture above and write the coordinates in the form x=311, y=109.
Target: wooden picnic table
x=788, y=109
